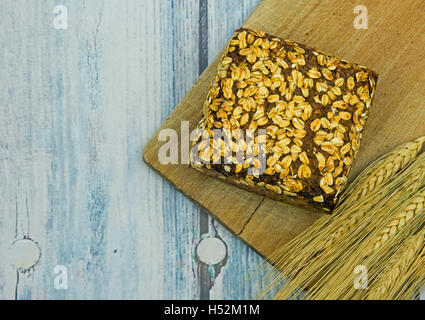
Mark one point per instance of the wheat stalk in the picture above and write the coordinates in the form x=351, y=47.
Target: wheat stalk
x=399, y=189
x=308, y=258
x=352, y=248
x=400, y=263
x=323, y=253
x=375, y=175
x=335, y=267
x=359, y=197
x=364, y=250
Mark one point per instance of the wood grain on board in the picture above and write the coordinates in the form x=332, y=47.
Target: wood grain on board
x=392, y=45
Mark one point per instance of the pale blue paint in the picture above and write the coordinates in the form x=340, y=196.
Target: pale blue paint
x=77, y=107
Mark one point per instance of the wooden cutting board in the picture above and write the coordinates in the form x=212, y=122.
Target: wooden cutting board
x=393, y=45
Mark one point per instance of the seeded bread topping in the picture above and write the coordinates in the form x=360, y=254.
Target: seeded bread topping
x=312, y=107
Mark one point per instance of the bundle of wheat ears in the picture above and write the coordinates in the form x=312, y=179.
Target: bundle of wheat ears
x=378, y=230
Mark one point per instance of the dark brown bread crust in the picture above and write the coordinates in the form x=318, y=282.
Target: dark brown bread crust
x=312, y=105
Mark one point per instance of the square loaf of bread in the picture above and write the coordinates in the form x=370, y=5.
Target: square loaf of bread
x=283, y=120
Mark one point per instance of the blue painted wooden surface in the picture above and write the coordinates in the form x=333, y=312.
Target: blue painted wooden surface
x=76, y=108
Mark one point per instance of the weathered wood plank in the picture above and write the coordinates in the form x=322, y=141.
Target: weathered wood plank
x=179, y=70
x=24, y=135
x=77, y=107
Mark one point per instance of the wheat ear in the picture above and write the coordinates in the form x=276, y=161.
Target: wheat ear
x=359, y=198
x=375, y=175
x=410, y=212
x=383, y=169
x=398, y=266
x=352, y=239
x=402, y=187
x=320, y=251
x=364, y=250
